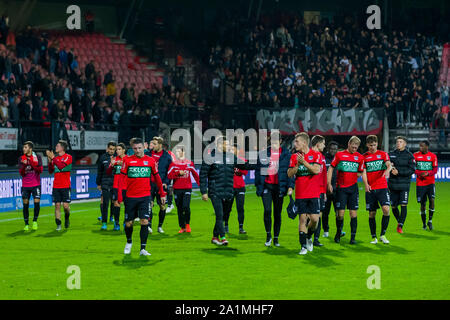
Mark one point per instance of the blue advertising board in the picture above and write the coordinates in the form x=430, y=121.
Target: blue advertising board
x=82, y=181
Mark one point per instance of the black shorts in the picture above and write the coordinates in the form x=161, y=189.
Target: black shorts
x=347, y=198
x=137, y=207
x=322, y=201
x=398, y=197
x=308, y=206
x=155, y=194
x=27, y=192
x=61, y=195
x=424, y=192
x=378, y=197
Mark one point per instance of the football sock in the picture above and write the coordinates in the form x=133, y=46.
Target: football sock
x=339, y=224
x=396, y=214
x=26, y=213
x=423, y=215
x=37, y=208
x=66, y=214
x=116, y=211
x=430, y=213
x=310, y=233
x=302, y=238
x=128, y=233
x=384, y=224
x=404, y=211
x=144, y=236
x=373, y=227
x=58, y=222
x=353, y=226
x=162, y=215
x=269, y=236
x=317, y=232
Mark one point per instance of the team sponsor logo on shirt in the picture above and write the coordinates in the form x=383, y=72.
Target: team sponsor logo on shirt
x=348, y=166
x=376, y=165
x=302, y=171
x=424, y=166
x=139, y=172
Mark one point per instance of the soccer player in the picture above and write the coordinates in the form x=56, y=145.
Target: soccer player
x=163, y=161
x=350, y=164
x=104, y=183
x=114, y=168
x=377, y=167
x=30, y=168
x=239, y=195
x=403, y=166
x=318, y=145
x=138, y=169
x=305, y=165
x=216, y=182
x=170, y=185
x=332, y=149
x=180, y=171
x=60, y=164
x=272, y=185
x=427, y=166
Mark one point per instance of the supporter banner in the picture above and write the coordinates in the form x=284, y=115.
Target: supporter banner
x=97, y=140
x=82, y=181
x=75, y=139
x=325, y=122
x=8, y=139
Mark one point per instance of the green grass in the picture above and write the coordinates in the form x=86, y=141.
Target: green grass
x=33, y=265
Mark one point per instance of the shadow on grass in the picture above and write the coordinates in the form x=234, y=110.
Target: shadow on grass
x=136, y=263
x=239, y=236
x=224, y=251
x=20, y=233
x=186, y=235
x=380, y=248
x=108, y=232
x=53, y=234
x=158, y=236
x=442, y=233
x=317, y=259
x=419, y=236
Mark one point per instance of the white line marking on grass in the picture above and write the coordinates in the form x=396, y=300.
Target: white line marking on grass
x=41, y=215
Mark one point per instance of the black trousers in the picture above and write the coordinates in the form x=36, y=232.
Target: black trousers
x=239, y=195
x=269, y=196
x=219, y=205
x=326, y=212
x=183, y=202
x=107, y=202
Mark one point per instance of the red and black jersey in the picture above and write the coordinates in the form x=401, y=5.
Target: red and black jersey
x=138, y=172
x=272, y=173
x=182, y=181
x=307, y=186
x=348, y=165
x=375, y=165
x=322, y=176
x=61, y=166
x=425, y=162
x=30, y=168
x=115, y=170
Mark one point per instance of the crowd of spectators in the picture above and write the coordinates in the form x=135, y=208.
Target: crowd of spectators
x=329, y=65
x=43, y=81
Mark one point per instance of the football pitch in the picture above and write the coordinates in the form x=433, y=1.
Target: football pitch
x=33, y=265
